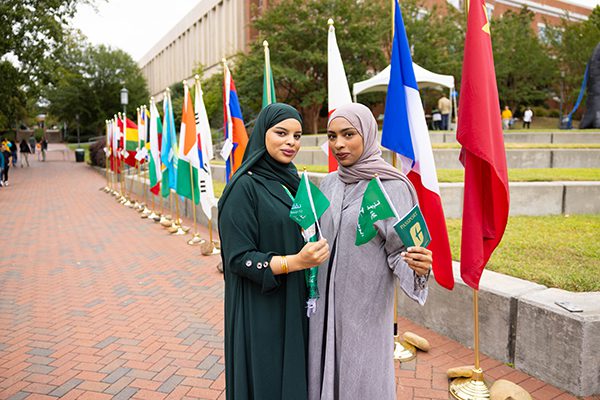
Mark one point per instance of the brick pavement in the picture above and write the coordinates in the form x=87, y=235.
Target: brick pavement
x=96, y=303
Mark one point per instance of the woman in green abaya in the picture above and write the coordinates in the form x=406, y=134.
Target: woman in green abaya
x=264, y=255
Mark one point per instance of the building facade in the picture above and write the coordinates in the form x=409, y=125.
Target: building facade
x=217, y=29
x=213, y=30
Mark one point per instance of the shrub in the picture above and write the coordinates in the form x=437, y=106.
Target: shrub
x=554, y=113
x=97, y=155
x=539, y=111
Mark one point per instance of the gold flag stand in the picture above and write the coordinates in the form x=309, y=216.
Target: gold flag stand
x=166, y=220
x=473, y=388
x=176, y=228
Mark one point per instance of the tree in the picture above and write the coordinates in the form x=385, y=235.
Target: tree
x=572, y=44
x=87, y=82
x=524, y=70
x=32, y=33
x=297, y=34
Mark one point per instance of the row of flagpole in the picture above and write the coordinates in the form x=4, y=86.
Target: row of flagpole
x=174, y=170
x=184, y=169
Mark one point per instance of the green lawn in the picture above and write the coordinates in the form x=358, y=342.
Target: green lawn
x=556, y=251
x=85, y=146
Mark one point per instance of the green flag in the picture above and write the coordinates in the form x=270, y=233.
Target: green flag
x=374, y=207
x=268, y=84
x=309, y=204
x=307, y=207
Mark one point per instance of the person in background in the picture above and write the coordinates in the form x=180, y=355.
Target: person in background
x=13, y=152
x=436, y=119
x=445, y=106
x=527, y=117
x=44, y=148
x=506, y=118
x=6, y=153
x=32, y=143
x=1, y=164
x=25, y=151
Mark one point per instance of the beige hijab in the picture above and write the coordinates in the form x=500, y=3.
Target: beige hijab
x=370, y=162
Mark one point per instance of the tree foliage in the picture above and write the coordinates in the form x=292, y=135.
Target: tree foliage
x=32, y=33
x=524, y=69
x=87, y=82
x=572, y=44
x=297, y=35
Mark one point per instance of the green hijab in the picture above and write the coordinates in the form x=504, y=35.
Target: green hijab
x=257, y=159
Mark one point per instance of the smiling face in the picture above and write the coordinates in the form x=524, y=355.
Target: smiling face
x=283, y=140
x=345, y=142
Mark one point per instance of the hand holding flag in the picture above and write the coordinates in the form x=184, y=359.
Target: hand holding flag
x=308, y=206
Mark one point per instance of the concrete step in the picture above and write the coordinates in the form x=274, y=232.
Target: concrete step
x=516, y=158
x=509, y=137
x=526, y=198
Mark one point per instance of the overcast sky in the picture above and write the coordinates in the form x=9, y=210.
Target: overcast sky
x=136, y=25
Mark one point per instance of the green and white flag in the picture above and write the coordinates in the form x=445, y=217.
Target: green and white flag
x=309, y=204
x=307, y=207
x=375, y=206
x=268, y=83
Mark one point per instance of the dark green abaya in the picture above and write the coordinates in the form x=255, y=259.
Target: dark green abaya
x=266, y=329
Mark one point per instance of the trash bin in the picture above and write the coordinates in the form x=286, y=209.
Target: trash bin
x=79, y=155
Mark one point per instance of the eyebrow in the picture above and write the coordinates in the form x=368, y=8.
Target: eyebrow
x=350, y=128
x=284, y=129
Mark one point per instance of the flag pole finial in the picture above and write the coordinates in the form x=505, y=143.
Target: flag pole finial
x=197, y=77
x=265, y=44
x=224, y=60
x=330, y=22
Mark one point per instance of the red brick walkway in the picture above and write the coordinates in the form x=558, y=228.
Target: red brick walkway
x=96, y=303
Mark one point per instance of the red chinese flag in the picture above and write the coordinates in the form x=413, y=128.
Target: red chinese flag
x=486, y=196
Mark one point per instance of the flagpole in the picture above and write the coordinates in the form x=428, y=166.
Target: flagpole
x=403, y=351
x=176, y=228
x=474, y=387
x=196, y=238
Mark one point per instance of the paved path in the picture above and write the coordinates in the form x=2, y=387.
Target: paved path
x=96, y=303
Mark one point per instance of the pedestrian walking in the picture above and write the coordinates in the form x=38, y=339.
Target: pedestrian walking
x=13, y=152
x=25, y=151
x=44, y=148
x=7, y=155
x=32, y=143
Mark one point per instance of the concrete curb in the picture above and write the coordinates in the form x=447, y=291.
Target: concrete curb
x=520, y=324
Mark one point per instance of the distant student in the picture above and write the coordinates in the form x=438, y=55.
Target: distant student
x=6, y=154
x=527, y=117
x=25, y=151
x=506, y=117
x=445, y=106
x=32, y=143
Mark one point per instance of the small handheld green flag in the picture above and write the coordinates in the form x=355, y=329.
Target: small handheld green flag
x=375, y=206
x=412, y=229
x=308, y=206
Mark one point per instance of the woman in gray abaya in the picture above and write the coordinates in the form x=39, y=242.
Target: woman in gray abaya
x=350, y=339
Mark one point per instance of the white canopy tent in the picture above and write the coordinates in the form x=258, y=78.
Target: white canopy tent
x=425, y=78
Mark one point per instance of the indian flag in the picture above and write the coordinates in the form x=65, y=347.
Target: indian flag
x=189, y=160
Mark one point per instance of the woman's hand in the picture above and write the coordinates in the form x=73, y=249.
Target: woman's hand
x=312, y=254
x=419, y=259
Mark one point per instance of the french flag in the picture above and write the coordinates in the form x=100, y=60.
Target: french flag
x=405, y=132
x=234, y=129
